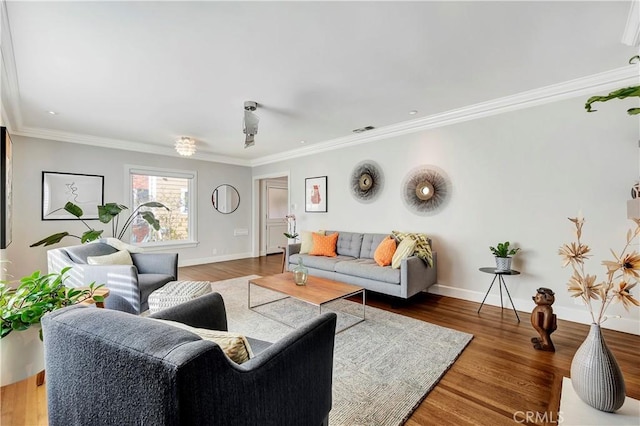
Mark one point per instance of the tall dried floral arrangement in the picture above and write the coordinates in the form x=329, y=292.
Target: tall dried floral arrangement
x=622, y=273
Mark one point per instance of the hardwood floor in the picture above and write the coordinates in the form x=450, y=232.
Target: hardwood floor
x=499, y=377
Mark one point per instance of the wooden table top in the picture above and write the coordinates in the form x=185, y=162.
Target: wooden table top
x=102, y=291
x=317, y=291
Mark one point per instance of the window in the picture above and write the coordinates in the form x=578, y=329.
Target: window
x=176, y=190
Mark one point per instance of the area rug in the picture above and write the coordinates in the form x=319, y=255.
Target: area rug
x=383, y=367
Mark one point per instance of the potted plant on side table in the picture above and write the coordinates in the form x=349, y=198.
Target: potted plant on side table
x=503, y=254
x=21, y=309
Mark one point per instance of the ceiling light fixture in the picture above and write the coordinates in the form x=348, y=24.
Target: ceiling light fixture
x=413, y=112
x=250, y=123
x=186, y=146
x=52, y=112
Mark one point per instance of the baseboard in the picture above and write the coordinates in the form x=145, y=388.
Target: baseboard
x=578, y=314
x=214, y=259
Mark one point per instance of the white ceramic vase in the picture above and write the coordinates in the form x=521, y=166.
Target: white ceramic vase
x=503, y=264
x=22, y=355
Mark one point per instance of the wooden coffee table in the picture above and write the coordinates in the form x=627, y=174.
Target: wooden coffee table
x=317, y=292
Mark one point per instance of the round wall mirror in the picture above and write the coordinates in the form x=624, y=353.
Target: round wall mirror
x=225, y=199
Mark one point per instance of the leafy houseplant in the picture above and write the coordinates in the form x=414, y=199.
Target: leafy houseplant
x=37, y=294
x=633, y=91
x=107, y=213
x=503, y=254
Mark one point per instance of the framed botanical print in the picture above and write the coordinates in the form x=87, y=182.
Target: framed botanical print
x=85, y=191
x=315, y=190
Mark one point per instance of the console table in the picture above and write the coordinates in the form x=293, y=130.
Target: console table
x=500, y=276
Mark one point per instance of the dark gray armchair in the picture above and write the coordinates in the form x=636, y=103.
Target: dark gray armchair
x=107, y=367
x=129, y=285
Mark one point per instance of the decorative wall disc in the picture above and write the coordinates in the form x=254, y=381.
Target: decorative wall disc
x=426, y=190
x=366, y=181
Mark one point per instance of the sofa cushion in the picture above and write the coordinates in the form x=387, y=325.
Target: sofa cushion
x=367, y=268
x=423, y=245
x=80, y=253
x=384, y=252
x=370, y=243
x=306, y=241
x=319, y=262
x=404, y=250
x=348, y=243
x=118, y=258
x=324, y=245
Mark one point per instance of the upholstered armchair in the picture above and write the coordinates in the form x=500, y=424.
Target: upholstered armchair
x=129, y=285
x=107, y=367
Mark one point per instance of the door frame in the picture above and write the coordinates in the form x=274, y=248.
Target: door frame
x=255, y=206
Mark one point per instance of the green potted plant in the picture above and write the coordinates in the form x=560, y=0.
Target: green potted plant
x=107, y=213
x=21, y=309
x=627, y=92
x=503, y=254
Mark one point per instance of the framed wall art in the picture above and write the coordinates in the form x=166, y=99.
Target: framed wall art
x=315, y=190
x=86, y=191
x=6, y=188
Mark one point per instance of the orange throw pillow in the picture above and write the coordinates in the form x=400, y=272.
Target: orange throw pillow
x=324, y=245
x=384, y=253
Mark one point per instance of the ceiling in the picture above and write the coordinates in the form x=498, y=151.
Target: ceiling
x=138, y=75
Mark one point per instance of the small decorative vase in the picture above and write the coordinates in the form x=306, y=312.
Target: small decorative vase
x=503, y=264
x=300, y=273
x=595, y=374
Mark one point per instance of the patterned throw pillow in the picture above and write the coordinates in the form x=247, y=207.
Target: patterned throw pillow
x=423, y=248
x=324, y=245
x=404, y=250
x=234, y=345
x=384, y=252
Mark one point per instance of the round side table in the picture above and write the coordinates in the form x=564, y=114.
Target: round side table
x=500, y=276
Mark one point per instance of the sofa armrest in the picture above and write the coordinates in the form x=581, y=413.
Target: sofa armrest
x=416, y=275
x=293, y=249
x=156, y=263
x=206, y=311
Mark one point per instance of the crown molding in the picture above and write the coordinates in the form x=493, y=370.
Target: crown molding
x=570, y=89
x=122, y=144
x=631, y=34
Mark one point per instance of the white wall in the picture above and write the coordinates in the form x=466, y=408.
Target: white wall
x=517, y=177
x=32, y=156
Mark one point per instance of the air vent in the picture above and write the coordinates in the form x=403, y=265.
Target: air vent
x=363, y=129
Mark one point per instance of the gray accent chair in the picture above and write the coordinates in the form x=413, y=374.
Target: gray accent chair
x=129, y=285
x=106, y=367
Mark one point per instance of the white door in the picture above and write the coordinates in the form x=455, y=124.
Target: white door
x=276, y=208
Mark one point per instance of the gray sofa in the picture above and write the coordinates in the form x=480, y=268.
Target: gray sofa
x=106, y=367
x=355, y=265
x=129, y=285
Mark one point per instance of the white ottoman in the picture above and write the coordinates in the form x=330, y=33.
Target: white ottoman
x=176, y=292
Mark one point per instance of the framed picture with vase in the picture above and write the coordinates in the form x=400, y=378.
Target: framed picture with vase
x=315, y=194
